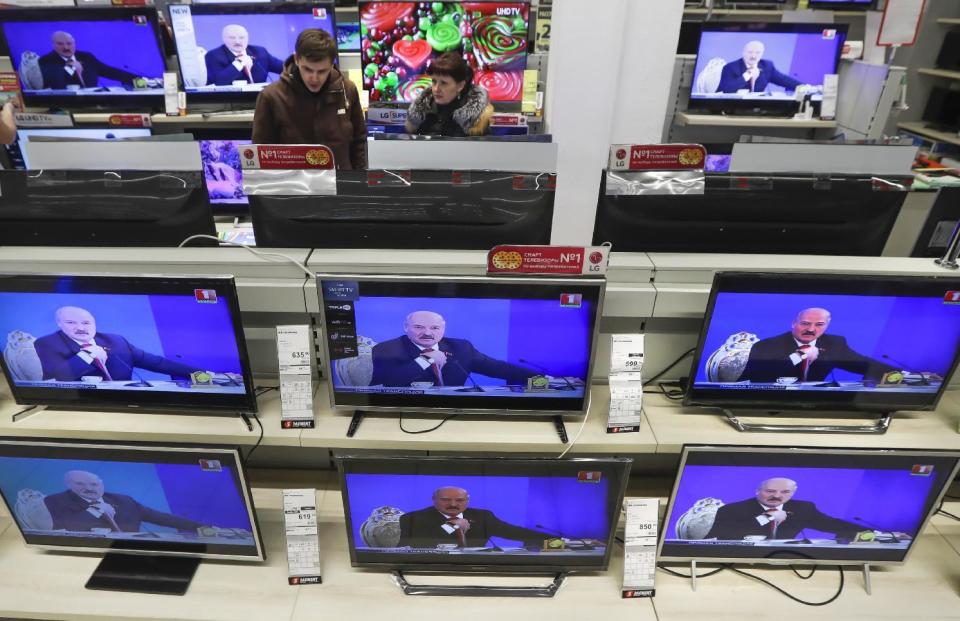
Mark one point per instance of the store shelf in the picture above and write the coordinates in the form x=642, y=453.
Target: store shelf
x=940, y=73
x=717, y=120
x=926, y=132
x=950, y=21
x=762, y=12
x=244, y=117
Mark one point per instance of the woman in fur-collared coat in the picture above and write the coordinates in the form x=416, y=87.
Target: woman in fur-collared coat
x=454, y=105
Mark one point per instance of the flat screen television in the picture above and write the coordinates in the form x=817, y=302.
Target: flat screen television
x=223, y=175
x=86, y=56
x=212, y=38
x=939, y=225
x=25, y=135
x=348, y=36
x=518, y=515
x=399, y=39
x=949, y=56
x=505, y=346
x=754, y=213
x=429, y=209
x=780, y=505
x=843, y=341
x=757, y=68
x=943, y=109
x=125, y=342
x=154, y=510
x=103, y=208
x=843, y=5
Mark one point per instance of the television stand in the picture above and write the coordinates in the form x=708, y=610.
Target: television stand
x=547, y=590
x=160, y=575
x=358, y=418
x=880, y=425
x=28, y=411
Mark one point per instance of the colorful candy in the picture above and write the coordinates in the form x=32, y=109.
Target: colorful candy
x=411, y=89
x=501, y=85
x=495, y=43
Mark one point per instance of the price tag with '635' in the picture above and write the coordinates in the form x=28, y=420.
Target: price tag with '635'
x=294, y=347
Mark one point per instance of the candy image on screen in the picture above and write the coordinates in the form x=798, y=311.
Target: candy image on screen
x=400, y=39
x=221, y=170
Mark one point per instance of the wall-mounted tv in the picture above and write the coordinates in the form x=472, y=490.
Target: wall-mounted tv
x=760, y=67
x=125, y=342
x=802, y=505
x=230, y=52
x=399, y=39
x=86, y=56
x=844, y=341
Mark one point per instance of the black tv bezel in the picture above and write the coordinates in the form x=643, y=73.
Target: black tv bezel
x=122, y=400
x=491, y=406
x=615, y=466
x=137, y=452
x=877, y=401
x=848, y=5
x=782, y=107
x=807, y=555
x=117, y=102
x=249, y=8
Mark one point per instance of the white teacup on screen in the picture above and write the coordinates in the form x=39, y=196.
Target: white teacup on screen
x=787, y=380
x=91, y=379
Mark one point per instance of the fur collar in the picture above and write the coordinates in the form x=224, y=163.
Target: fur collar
x=467, y=114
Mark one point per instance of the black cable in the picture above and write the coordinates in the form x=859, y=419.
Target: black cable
x=262, y=390
x=796, y=599
x=688, y=576
x=675, y=395
x=671, y=365
x=948, y=514
x=438, y=426
x=246, y=460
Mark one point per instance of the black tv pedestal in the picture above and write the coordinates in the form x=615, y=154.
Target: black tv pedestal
x=547, y=590
x=160, y=575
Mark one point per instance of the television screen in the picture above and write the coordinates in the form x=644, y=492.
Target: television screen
x=503, y=345
x=348, y=36
x=949, y=56
x=943, y=108
x=231, y=51
x=763, y=65
x=878, y=343
x=133, y=499
x=512, y=514
x=125, y=341
x=401, y=38
x=222, y=172
x=791, y=505
x=85, y=55
x=24, y=135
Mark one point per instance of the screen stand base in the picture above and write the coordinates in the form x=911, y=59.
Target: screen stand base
x=561, y=429
x=881, y=424
x=547, y=590
x=866, y=579
x=161, y=575
x=246, y=420
x=693, y=575
x=22, y=414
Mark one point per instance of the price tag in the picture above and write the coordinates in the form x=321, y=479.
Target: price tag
x=303, y=545
x=626, y=385
x=640, y=548
x=296, y=380
x=626, y=353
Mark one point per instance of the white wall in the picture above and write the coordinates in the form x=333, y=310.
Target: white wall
x=610, y=68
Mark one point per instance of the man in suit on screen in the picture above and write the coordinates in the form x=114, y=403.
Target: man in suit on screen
x=807, y=354
x=236, y=59
x=450, y=521
x=65, y=66
x=424, y=354
x=752, y=73
x=774, y=514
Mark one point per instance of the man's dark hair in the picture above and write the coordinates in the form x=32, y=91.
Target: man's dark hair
x=451, y=64
x=315, y=45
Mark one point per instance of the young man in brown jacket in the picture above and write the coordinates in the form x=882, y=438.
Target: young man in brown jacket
x=313, y=103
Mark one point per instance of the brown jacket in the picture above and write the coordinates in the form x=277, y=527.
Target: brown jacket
x=288, y=113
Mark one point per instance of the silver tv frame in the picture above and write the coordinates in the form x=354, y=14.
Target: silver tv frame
x=687, y=449
x=117, y=546
x=512, y=280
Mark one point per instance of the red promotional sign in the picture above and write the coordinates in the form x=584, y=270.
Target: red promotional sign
x=657, y=157
x=549, y=260
x=130, y=120
x=286, y=156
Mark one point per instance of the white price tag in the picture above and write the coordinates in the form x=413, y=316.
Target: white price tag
x=303, y=545
x=640, y=547
x=296, y=381
x=626, y=402
x=626, y=353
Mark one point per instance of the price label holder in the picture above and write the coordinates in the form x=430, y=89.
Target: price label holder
x=626, y=385
x=303, y=545
x=640, y=548
x=296, y=379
